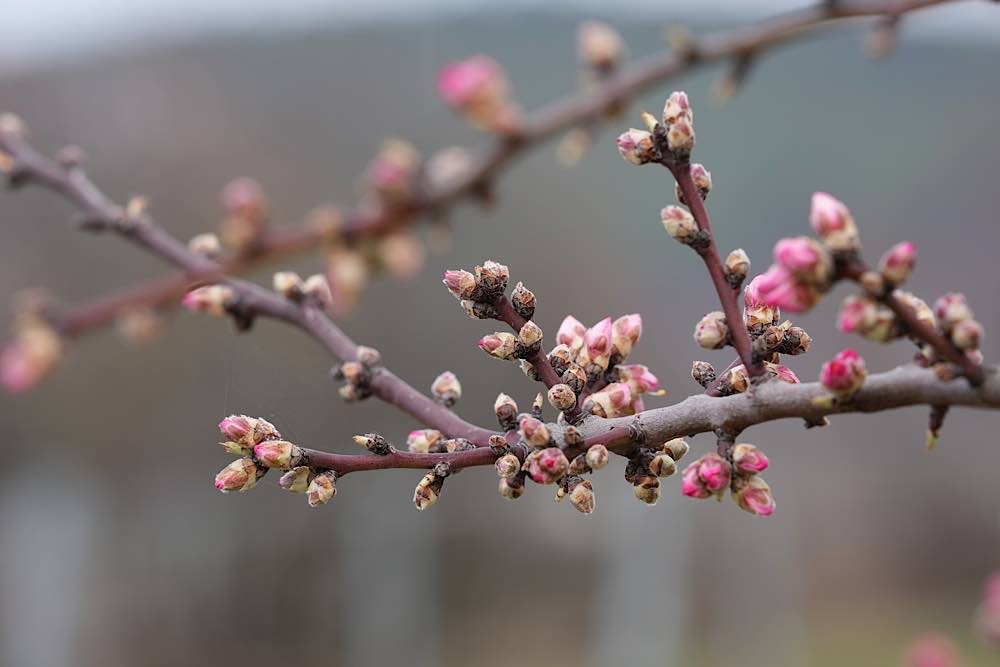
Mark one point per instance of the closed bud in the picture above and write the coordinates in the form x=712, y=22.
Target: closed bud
x=599, y=46
x=680, y=224
x=703, y=373
x=374, y=443
x=597, y=456
x=833, y=222
x=428, y=490
x=753, y=495
x=578, y=466
x=500, y=345
x=598, y=342
x=646, y=488
x=662, y=465
x=561, y=397
x=321, y=489
x=534, y=431
x=491, y=278
x=748, y=459
x=712, y=332
x=478, y=310
x=528, y=369
x=738, y=379
x=511, y=489
x=572, y=436
x=296, y=480
x=523, y=301
x=639, y=379
x=680, y=138
x=897, y=263
x=757, y=311
x=210, y=299
x=706, y=476
x=625, y=333
x=353, y=372
x=205, y=245
x=677, y=107
x=368, y=356
x=248, y=431
x=317, y=288
x=571, y=333
x=391, y=175
x=967, y=334
x=920, y=309
x=506, y=411
x=461, y=284
x=446, y=389
x=796, y=340
x=498, y=445
x=702, y=179
x=530, y=335
x=636, y=146
x=845, y=374
x=575, y=378
x=288, y=284
x=873, y=282
x=453, y=445
x=861, y=314
x=649, y=120
x=675, y=449
x=537, y=405
x=277, y=454
x=508, y=466
x=737, y=267
x=546, y=466
x=951, y=309
x=424, y=441
x=805, y=259
x=581, y=496
x=560, y=358
x=240, y=475
x=615, y=400
x=478, y=88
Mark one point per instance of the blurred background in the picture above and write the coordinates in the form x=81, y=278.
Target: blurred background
x=115, y=549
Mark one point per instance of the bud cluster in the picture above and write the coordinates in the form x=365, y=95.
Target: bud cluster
x=712, y=474
x=645, y=468
x=357, y=375
x=260, y=447
x=478, y=292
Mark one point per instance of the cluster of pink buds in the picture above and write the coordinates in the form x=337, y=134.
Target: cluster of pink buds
x=711, y=475
x=357, y=374
x=260, y=447
x=246, y=214
x=393, y=173
x=801, y=272
x=647, y=466
x=478, y=89
x=957, y=321
x=672, y=137
x=844, y=375
x=479, y=292
x=988, y=614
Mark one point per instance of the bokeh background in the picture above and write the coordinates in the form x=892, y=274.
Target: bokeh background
x=116, y=550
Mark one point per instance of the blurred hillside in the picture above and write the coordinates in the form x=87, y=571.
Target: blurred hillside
x=116, y=550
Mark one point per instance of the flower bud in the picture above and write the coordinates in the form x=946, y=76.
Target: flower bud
x=966, y=334
x=500, y=345
x=920, y=309
x=560, y=358
x=783, y=373
x=845, y=374
x=951, y=309
x=636, y=146
x=240, y=475
x=498, y=445
x=706, y=476
x=702, y=179
x=523, y=301
x=478, y=89
x=461, y=284
x=703, y=373
x=205, y=245
x=392, y=173
x=545, y=466
x=748, y=459
x=680, y=224
x=506, y=411
x=677, y=107
x=639, y=379
x=738, y=379
x=680, y=137
x=795, y=340
x=530, y=335
x=646, y=488
x=491, y=279
x=625, y=333
x=833, y=222
x=374, y=443
x=863, y=315
x=534, y=431
x=675, y=448
x=578, y=466
x=321, y=489
x=753, y=495
x=711, y=332
x=528, y=369
x=779, y=287
x=806, y=259
x=575, y=378
x=613, y=401
x=277, y=454
x=446, y=389
x=296, y=480
x=424, y=441
x=572, y=436
x=597, y=456
x=599, y=46
x=317, y=287
x=571, y=333
x=737, y=267
x=368, y=356
x=478, y=310
x=598, y=342
x=428, y=490
x=508, y=466
x=248, y=431
x=453, y=445
x=581, y=496
x=348, y=273
x=353, y=372
x=288, y=284
x=662, y=465
x=897, y=263
x=210, y=299
x=511, y=489
x=758, y=312
x=562, y=398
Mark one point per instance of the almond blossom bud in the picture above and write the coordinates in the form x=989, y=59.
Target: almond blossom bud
x=966, y=334
x=662, y=465
x=805, y=259
x=428, y=490
x=478, y=310
x=677, y=107
x=506, y=412
x=296, y=480
x=897, y=263
x=706, y=476
x=461, y=284
x=757, y=311
x=783, y=373
x=29, y=358
x=453, y=445
x=680, y=224
x=575, y=377
x=951, y=309
x=523, y=301
x=646, y=488
x=240, y=475
x=703, y=373
x=572, y=436
x=530, y=335
x=561, y=357
x=446, y=389
x=639, y=379
x=501, y=345
x=711, y=331
x=424, y=441
x=845, y=374
x=477, y=88
x=780, y=288
x=738, y=379
x=613, y=401
x=508, y=466
x=920, y=309
x=321, y=489
x=680, y=137
x=753, y=495
x=277, y=454
x=491, y=278
x=534, y=431
x=748, y=459
x=448, y=167
x=561, y=397
x=636, y=146
x=675, y=448
x=598, y=45
x=581, y=496
x=288, y=284
x=597, y=456
x=205, y=245
x=374, y=443
x=571, y=333
x=832, y=222
x=625, y=333
x=511, y=489
x=210, y=299
x=598, y=342
x=737, y=267
x=393, y=171
x=702, y=179
x=248, y=430
x=317, y=288
x=545, y=466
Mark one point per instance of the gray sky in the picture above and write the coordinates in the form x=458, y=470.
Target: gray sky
x=43, y=31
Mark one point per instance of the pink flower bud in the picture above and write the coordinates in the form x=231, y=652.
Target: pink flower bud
x=967, y=334
x=680, y=224
x=692, y=485
x=244, y=197
x=951, y=309
x=534, y=431
x=778, y=287
x=598, y=340
x=706, y=476
x=477, y=88
x=832, y=221
x=571, y=333
x=804, y=258
x=711, y=331
x=247, y=430
x=625, y=333
x=680, y=137
x=757, y=312
x=240, y=475
x=636, y=146
x=783, y=373
x=933, y=650
x=753, y=495
x=639, y=379
x=677, y=107
x=545, y=466
x=598, y=45
x=897, y=263
x=501, y=345
x=748, y=459
x=844, y=374
x=615, y=400
x=296, y=480
x=461, y=284
x=277, y=454
x=424, y=440
x=28, y=359
x=392, y=172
